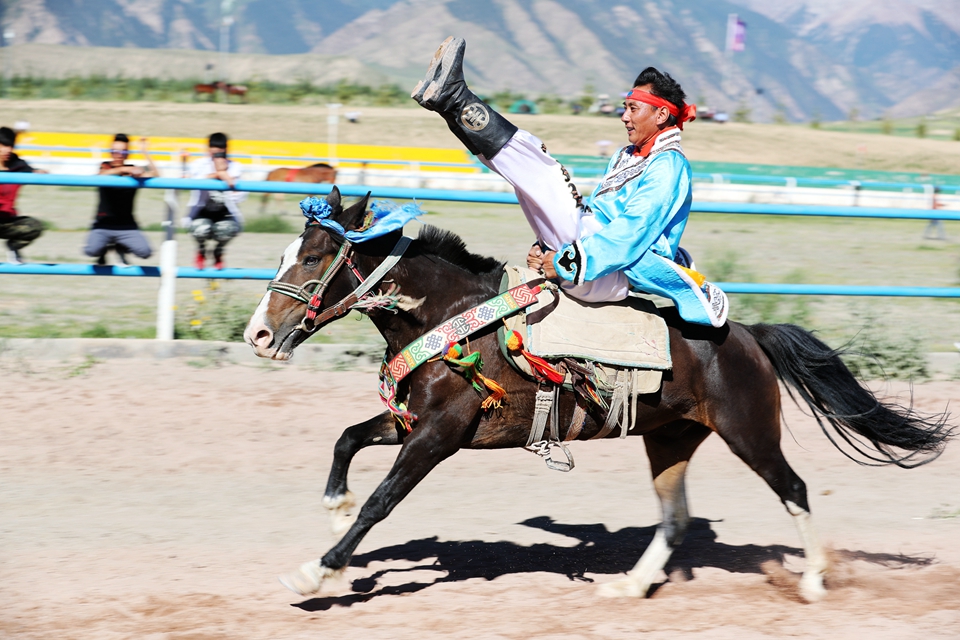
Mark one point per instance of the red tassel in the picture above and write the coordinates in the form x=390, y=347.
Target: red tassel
x=544, y=368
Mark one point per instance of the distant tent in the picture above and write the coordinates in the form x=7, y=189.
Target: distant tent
x=524, y=106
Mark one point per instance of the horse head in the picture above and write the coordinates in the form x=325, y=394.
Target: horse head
x=309, y=281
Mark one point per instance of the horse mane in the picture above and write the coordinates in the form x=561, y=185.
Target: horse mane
x=450, y=247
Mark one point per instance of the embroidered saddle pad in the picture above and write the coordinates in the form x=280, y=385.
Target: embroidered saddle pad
x=613, y=337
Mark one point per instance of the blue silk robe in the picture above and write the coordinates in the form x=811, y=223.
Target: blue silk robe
x=641, y=209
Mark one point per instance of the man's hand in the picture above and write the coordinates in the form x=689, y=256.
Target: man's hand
x=547, y=267
x=535, y=258
x=542, y=261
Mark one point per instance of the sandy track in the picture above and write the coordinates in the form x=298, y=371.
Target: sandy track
x=145, y=499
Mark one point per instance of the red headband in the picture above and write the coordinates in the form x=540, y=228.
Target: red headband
x=689, y=110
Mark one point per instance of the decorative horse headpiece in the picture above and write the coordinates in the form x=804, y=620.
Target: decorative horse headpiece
x=384, y=217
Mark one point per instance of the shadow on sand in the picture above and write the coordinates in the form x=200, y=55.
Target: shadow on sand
x=599, y=551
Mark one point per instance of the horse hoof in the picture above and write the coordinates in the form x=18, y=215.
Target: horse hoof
x=342, y=512
x=623, y=588
x=811, y=588
x=308, y=578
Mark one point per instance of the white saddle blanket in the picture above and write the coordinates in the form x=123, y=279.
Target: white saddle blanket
x=623, y=335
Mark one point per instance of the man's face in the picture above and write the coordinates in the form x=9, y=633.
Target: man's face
x=5, y=151
x=119, y=152
x=214, y=151
x=643, y=120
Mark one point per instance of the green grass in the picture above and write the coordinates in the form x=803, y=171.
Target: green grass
x=102, y=88
x=270, y=224
x=944, y=125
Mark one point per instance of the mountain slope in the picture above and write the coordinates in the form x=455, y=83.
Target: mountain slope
x=804, y=58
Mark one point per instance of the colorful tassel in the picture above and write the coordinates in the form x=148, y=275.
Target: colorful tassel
x=388, y=395
x=471, y=365
x=696, y=276
x=539, y=365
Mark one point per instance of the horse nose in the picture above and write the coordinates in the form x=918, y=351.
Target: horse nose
x=263, y=338
x=258, y=335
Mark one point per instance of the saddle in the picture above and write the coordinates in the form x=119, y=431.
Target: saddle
x=607, y=354
x=609, y=338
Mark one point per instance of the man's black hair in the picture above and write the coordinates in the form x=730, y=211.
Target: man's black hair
x=7, y=136
x=121, y=137
x=218, y=140
x=663, y=86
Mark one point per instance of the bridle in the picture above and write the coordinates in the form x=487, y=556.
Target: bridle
x=312, y=319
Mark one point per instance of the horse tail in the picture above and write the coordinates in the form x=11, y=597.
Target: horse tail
x=881, y=432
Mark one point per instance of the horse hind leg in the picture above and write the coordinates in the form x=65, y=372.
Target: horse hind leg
x=337, y=498
x=759, y=447
x=669, y=448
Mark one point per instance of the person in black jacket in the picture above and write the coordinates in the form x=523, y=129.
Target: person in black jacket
x=114, y=225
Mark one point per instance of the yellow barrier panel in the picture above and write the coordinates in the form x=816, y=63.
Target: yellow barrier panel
x=95, y=145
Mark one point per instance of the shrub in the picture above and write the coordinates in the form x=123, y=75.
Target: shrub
x=98, y=330
x=877, y=352
x=214, y=315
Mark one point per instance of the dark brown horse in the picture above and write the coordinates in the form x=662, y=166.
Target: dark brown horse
x=314, y=174
x=723, y=380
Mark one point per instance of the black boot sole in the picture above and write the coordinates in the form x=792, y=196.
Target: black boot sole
x=452, y=59
x=431, y=74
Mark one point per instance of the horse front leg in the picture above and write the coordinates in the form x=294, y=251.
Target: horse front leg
x=338, y=499
x=424, y=449
x=669, y=448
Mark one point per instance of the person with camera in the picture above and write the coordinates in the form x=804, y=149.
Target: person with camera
x=214, y=215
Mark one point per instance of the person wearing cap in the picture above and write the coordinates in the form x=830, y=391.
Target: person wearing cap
x=628, y=237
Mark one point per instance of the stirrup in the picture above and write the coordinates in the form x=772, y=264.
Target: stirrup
x=543, y=448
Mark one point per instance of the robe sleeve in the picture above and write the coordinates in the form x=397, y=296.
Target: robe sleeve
x=653, y=200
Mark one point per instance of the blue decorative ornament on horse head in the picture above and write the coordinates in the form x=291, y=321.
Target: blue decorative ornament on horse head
x=354, y=223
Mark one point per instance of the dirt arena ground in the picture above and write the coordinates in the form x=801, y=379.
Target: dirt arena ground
x=159, y=499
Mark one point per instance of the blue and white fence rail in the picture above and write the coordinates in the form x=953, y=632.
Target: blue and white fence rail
x=41, y=269
x=168, y=270
x=726, y=187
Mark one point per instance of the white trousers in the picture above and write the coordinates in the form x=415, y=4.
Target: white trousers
x=548, y=201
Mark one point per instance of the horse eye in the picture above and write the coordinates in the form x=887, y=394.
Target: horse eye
x=311, y=261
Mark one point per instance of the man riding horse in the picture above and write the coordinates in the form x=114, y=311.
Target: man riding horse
x=628, y=237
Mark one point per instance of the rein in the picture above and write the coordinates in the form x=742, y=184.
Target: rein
x=314, y=299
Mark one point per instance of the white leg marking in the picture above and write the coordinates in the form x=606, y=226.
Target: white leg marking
x=639, y=579
x=308, y=578
x=258, y=319
x=811, y=584
x=342, y=512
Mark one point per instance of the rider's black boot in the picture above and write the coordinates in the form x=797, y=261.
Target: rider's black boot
x=481, y=129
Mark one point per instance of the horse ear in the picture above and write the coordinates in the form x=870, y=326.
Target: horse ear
x=352, y=217
x=333, y=198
